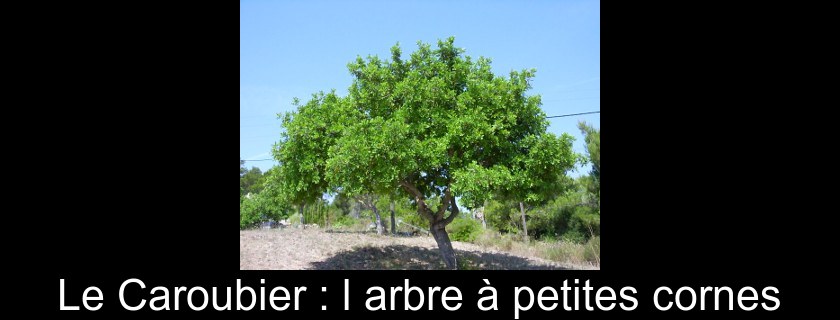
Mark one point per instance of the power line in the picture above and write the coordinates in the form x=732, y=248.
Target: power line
x=258, y=160
x=560, y=116
x=574, y=114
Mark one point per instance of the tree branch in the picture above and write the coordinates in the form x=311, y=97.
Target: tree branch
x=455, y=212
x=411, y=189
x=447, y=197
x=421, y=203
x=424, y=210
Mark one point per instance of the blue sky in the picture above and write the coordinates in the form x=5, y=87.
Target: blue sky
x=292, y=49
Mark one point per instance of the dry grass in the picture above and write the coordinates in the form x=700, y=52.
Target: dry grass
x=295, y=249
x=587, y=255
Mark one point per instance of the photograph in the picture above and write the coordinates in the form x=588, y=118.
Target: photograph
x=416, y=158
x=419, y=135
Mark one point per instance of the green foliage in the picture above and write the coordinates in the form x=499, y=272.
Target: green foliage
x=503, y=216
x=348, y=223
x=593, y=147
x=241, y=172
x=259, y=208
x=464, y=229
x=302, y=150
x=567, y=217
x=343, y=203
x=573, y=236
x=294, y=219
x=249, y=215
x=431, y=128
x=317, y=212
x=408, y=215
x=344, y=221
x=256, y=207
x=438, y=121
x=252, y=181
x=592, y=183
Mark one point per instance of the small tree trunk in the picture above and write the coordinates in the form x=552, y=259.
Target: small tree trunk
x=524, y=224
x=302, y=222
x=484, y=215
x=323, y=214
x=380, y=229
x=438, y=230
x=393, y=220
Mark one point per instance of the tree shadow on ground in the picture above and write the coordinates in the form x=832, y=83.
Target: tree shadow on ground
x=400, y=257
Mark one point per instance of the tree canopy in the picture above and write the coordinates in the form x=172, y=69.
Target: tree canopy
x=435, y=126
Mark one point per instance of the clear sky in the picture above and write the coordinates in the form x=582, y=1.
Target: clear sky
x=292, y=49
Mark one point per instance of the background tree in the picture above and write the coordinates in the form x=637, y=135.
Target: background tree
x=302, y=150
x=251, y=181
x=392, y=209
x=540, y=175
x=241, y=171
x=342, y=203
x=592, y=137
x=439, y=125
x=369, y=201
x=263, y=203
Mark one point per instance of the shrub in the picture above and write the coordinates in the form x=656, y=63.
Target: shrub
x=294, y=219
x=464, y=229
x=249, y=215
x=260, y=207
x=343, y=221
x=574, y=236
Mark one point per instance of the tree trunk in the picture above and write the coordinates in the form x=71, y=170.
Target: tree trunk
x=524, y=224
x=438, y=230
x=380, y=229
x=437, y=222
x=393, y=220
x=302, y=222
x=484, y=215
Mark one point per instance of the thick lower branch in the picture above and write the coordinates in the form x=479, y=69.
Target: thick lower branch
x=453, y=214
x=422, y=209
x=447, y=197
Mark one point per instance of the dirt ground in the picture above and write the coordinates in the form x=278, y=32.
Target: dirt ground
x=296, y=249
